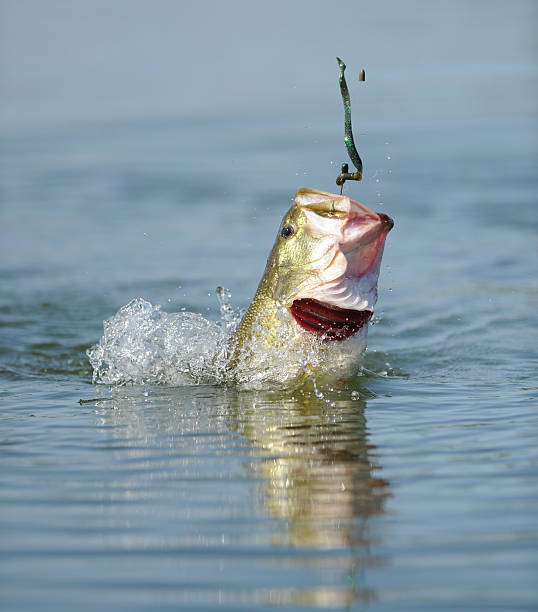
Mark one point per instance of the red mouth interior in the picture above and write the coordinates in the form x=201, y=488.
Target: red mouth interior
x=329, y=321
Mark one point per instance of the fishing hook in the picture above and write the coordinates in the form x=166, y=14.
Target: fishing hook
x=354, y=156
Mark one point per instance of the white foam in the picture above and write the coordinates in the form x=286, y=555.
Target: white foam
x=141, y=344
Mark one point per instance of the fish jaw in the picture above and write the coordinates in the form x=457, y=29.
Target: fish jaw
x=343, y=300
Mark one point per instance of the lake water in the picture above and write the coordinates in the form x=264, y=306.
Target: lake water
x=413, y=488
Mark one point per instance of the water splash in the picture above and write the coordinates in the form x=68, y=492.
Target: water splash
x=141, y=344
x=228, y=315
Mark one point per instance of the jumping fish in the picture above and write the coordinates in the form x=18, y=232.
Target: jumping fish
x=311, y=309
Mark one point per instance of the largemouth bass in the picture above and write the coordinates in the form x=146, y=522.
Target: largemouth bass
x=310, y=314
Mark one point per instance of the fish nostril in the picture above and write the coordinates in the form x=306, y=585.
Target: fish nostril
x=387, y=221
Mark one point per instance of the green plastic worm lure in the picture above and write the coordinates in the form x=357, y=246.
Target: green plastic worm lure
x=354, y=156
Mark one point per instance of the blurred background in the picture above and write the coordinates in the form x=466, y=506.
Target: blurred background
x=77, y=61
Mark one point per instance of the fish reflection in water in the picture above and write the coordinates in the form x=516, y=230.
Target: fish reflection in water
x=307, y=462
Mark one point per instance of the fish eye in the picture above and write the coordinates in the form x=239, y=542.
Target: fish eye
x=287, y=231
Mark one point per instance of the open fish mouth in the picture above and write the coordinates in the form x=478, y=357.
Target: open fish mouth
x=342, y=300
x=328, y=321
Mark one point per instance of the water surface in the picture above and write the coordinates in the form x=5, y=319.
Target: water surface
x=412, y=488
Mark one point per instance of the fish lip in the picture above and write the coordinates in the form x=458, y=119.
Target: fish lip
x=316, y=200
x=360, y=216
x=363, y=239
x=386, y=222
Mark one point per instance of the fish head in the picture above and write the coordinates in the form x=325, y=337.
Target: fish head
x=325, y=262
